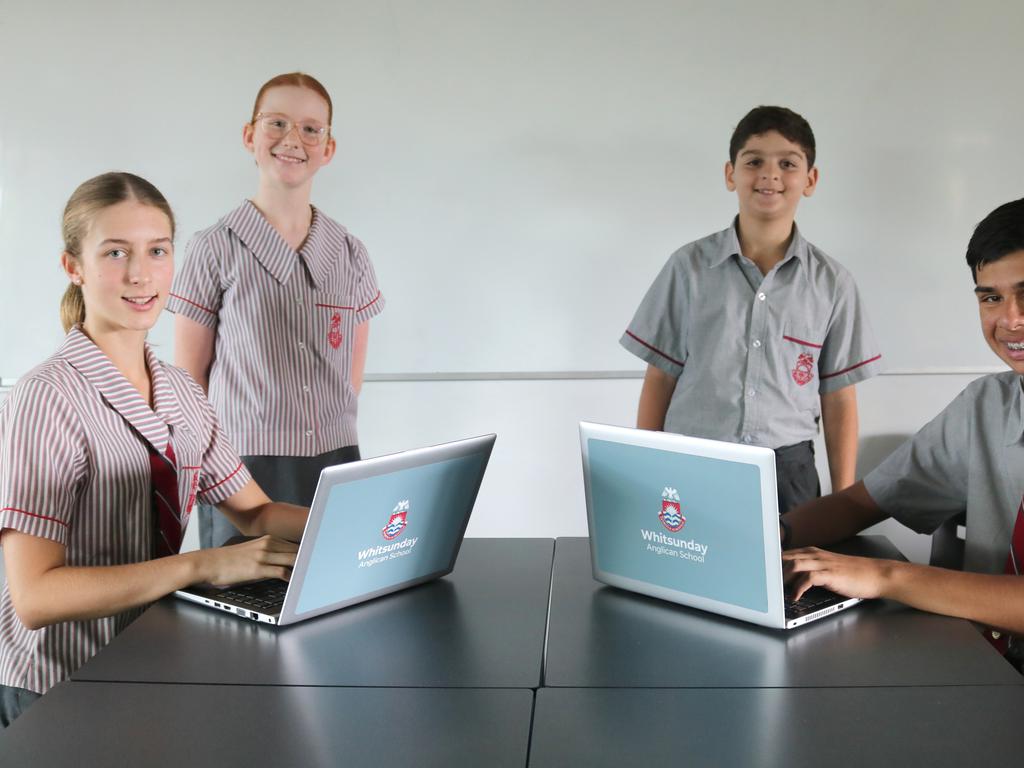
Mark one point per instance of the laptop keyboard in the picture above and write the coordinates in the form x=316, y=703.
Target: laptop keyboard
x=812, y=600
x=261, y=596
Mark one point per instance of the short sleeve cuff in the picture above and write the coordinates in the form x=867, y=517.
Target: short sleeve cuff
x=371, y=307
x=852, y=374
x=651, y=354
x=226, y=487
x=34, y=524
x=881, y=489
x=193, y=310
x=888, y=491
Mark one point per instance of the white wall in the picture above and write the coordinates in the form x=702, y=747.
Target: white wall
x=520, y=170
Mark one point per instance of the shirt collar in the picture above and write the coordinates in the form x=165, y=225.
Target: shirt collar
x=727, y=244
x=271, y=250
x=89, y=360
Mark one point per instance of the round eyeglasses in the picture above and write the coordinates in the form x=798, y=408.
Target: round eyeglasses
x=278, y=126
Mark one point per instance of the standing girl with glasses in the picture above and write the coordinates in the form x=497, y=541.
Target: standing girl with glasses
x=104, y=451
x=273, y=307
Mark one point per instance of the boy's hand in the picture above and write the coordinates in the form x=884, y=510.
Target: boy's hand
x=850, y=576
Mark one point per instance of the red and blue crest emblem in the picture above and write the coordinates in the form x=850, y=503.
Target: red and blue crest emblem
x=671, y=514
x=397, y=521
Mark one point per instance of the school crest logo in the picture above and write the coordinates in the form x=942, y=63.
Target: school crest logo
x=334, y=334
x=803, y=371
x=397, y=521
x=193, y=486
x=671, y=515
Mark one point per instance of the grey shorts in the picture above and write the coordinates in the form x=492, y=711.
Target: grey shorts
x=796, y=475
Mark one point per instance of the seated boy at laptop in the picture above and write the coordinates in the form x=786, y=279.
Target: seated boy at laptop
x=750, y=333
x=970, y=457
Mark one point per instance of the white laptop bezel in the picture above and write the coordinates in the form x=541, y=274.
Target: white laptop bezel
x=761, y=458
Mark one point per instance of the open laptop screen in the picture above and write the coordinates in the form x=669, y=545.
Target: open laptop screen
x=388, y=529
x=685, y=523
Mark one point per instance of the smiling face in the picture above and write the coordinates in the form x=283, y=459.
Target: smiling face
x=286, y=161
x=1000, y=292
x=124, y=268
x=770, y=176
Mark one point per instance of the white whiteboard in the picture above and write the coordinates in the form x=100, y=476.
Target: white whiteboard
x=520, y=171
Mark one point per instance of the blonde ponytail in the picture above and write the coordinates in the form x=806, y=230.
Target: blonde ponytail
x=72, y=307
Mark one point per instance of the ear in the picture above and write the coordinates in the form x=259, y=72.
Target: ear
x=248, y=131
x=330, y=147
x=730, y=183
x=71, y=268
x=812, y=182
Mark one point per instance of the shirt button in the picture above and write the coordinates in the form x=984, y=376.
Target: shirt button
x=305, y=388
x=746, y=438
x=761, y=296
x=757, y=343
x=309, y=433
x=750, y=393
x=302, y=345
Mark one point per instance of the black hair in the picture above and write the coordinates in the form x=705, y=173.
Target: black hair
x=999, y=234
x=784, y=121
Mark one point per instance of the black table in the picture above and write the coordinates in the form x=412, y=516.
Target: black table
x=784, y=727
x=599, y=636
x=155, y=725
x=481, y=626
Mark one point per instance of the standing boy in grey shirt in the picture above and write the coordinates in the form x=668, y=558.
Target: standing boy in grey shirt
x=752, y=334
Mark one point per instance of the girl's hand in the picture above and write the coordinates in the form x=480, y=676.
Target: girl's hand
x=267, y=557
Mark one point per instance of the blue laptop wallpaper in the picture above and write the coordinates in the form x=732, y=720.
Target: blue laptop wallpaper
x=682, y=522
x=389, y=529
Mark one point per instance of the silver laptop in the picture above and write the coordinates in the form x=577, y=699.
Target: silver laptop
x=375, y=527
x=693, y=521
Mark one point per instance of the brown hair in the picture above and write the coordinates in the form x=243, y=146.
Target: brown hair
x=786, y=122
x=299, y=80
x=89, y=199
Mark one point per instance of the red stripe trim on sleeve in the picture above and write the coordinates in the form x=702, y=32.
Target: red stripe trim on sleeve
x=189, y=301
x=237, y=470
x=34, y=514
x=654, y=349
x=332, y=306
x=375, y=299
x=852, y=367
x=801, y=341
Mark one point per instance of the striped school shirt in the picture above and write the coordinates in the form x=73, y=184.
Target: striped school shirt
x=281, y=377
x=74, y=468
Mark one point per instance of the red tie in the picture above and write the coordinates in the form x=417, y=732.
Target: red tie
x=166, y=507
x=1014, y=563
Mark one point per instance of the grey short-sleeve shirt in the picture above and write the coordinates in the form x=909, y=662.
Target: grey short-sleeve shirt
x=752, y=353
x=969, y=457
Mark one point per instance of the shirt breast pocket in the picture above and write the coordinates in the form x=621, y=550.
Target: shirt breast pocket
x=800, y=352
x=333, y=323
